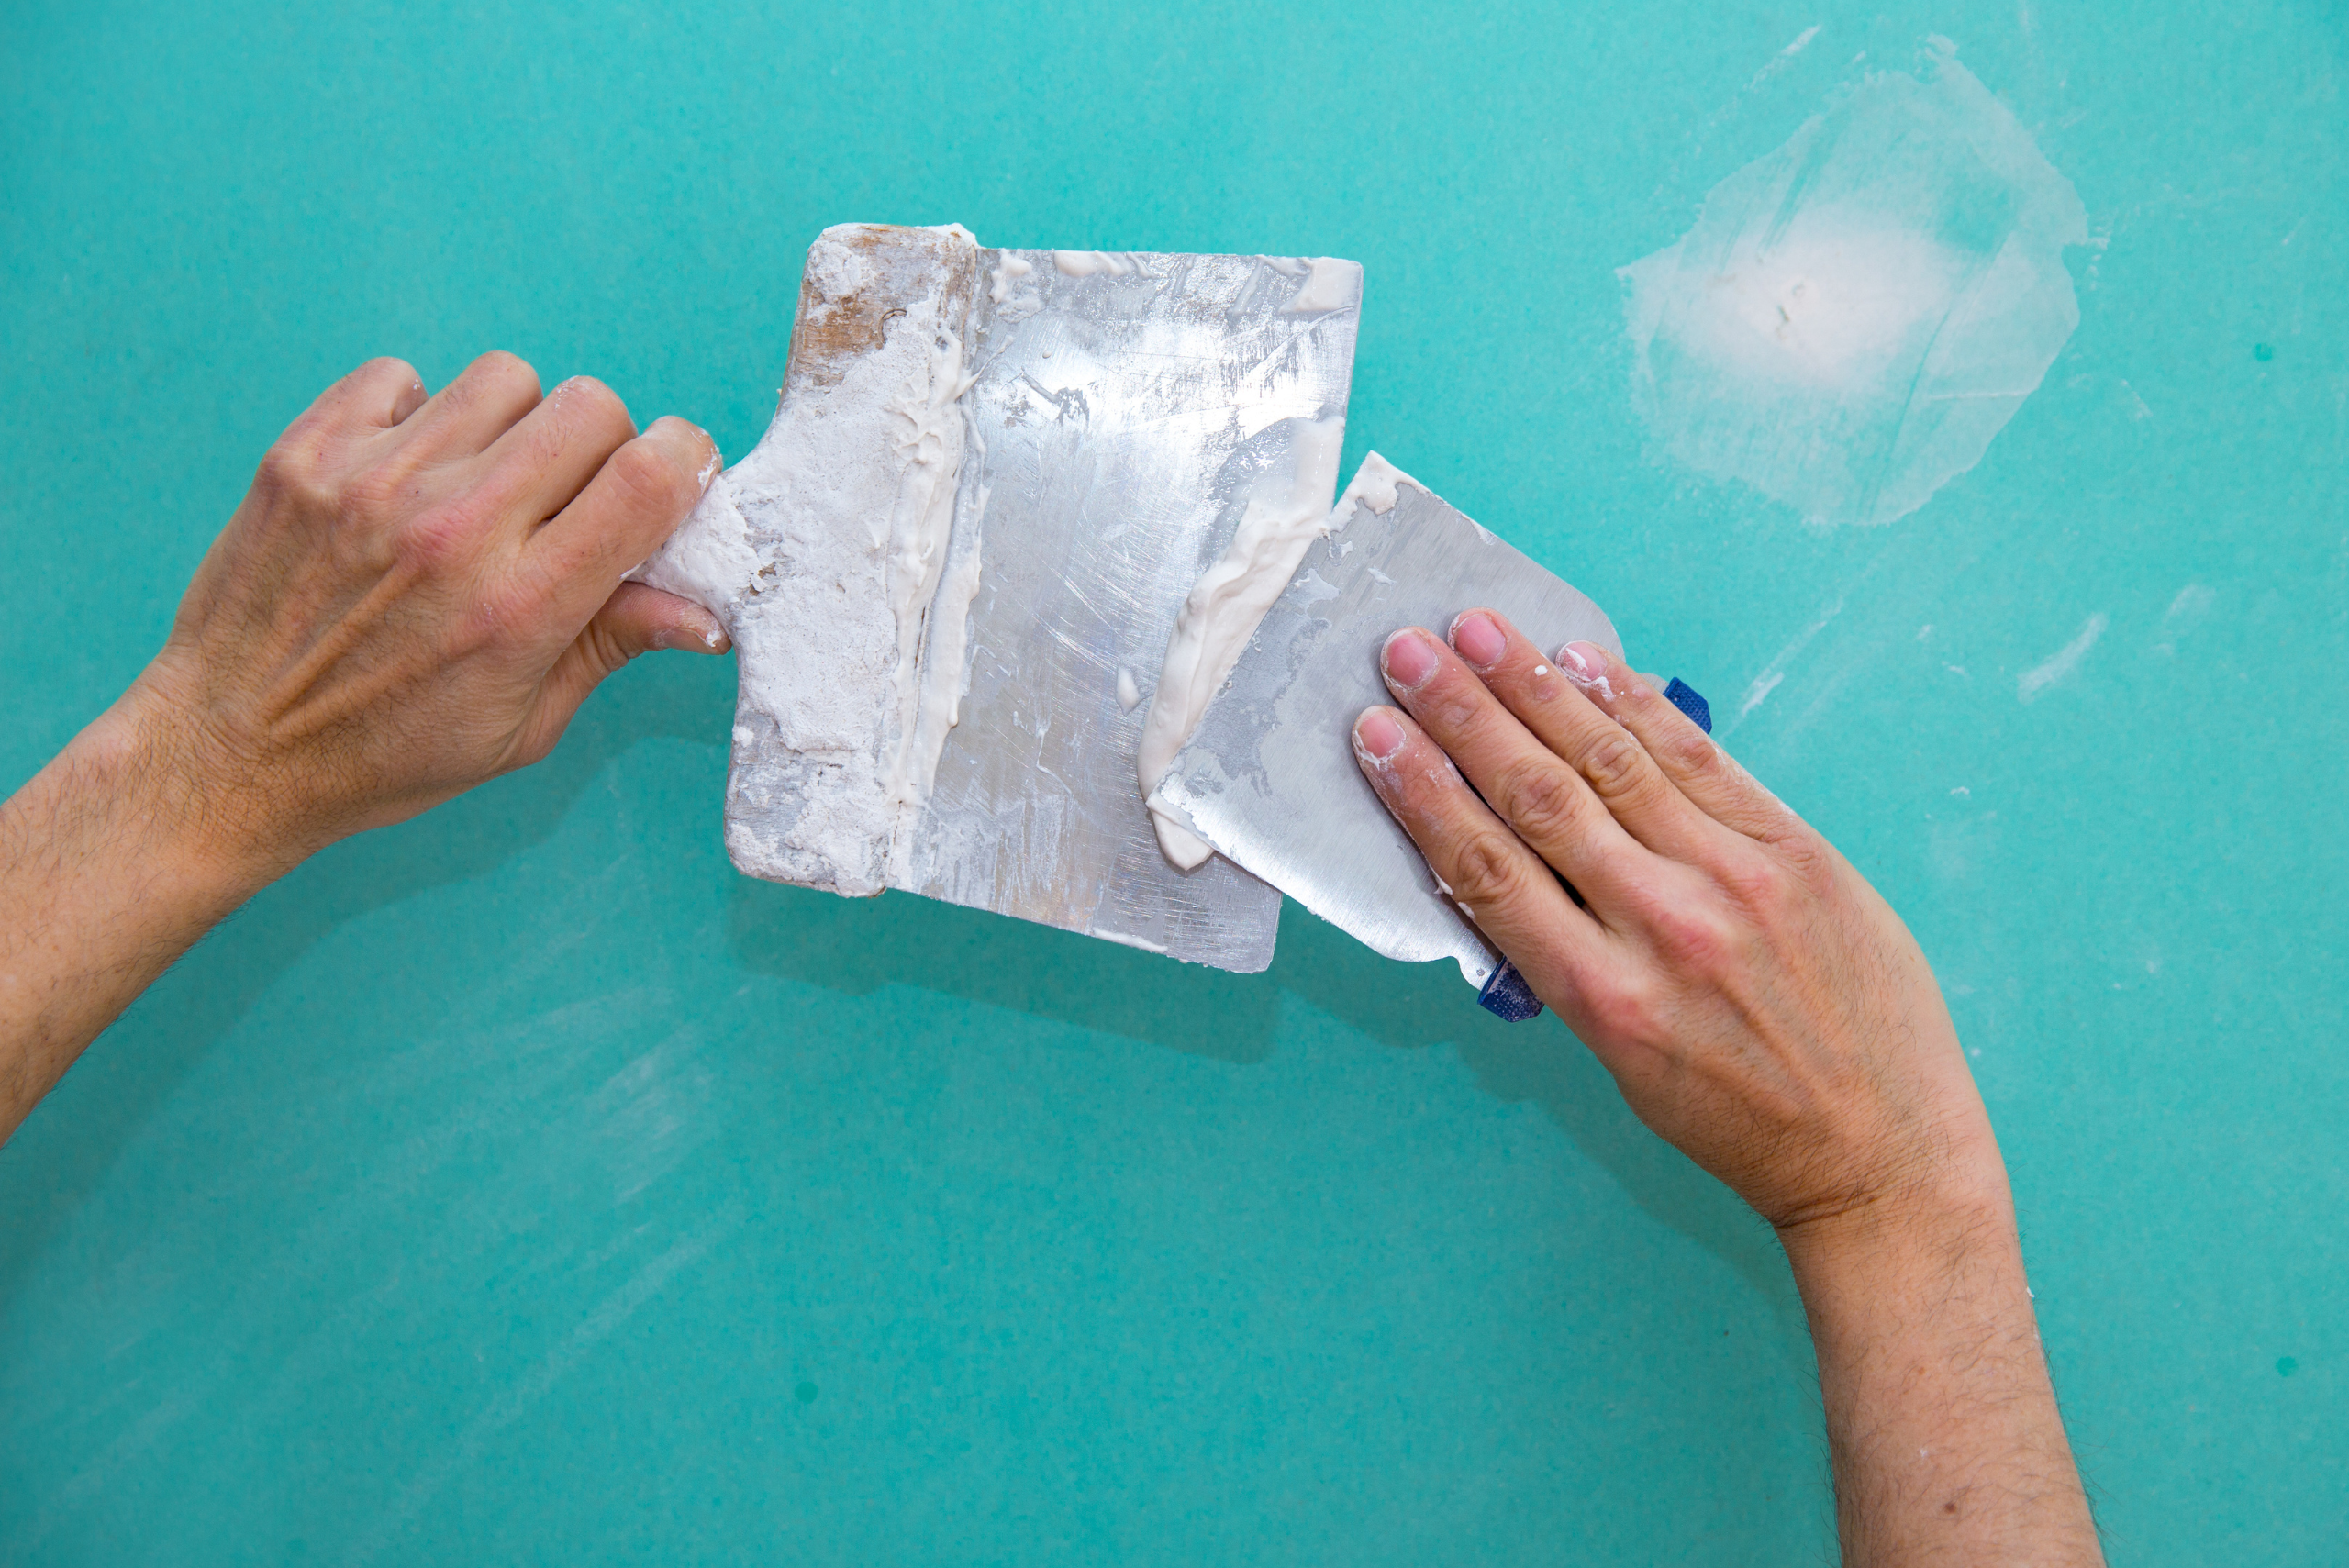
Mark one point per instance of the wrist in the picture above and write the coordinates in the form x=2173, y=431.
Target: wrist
x=1865, y=1252
x=140, y=774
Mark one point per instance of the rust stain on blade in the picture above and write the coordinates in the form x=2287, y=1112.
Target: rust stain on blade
x=846, y=309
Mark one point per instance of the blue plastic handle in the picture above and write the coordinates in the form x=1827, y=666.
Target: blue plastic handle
x=1685, y=698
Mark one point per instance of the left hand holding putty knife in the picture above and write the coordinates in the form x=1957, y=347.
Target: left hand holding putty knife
x=416, y=596
x=1764, y=1010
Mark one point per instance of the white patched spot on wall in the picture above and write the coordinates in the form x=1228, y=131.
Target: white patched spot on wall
x=1856, y=314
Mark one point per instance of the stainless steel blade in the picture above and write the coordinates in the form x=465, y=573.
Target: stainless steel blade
x=1109, y=417
x=1269, y=776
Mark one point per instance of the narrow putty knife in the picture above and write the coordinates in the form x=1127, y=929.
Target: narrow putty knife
x=1268, y=777
x=952, y=567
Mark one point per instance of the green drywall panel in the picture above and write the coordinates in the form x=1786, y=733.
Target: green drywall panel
x=522, y=1185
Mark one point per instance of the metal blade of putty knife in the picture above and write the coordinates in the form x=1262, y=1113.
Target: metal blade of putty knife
x=1269, y=776
x=952, y=566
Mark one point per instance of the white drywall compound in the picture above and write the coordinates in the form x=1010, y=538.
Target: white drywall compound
x=1857, y=314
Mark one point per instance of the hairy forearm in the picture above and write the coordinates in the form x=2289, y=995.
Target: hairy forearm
x=106, y=877
x=1941, y=1423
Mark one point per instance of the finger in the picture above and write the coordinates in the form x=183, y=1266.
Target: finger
x=468, y=414
x=1707, y=777
x=362, y=404
x=375, y=397
x=1610, y=760
x=1536, y=793
x=1489, y=871
x=635, y=501
x=635, y=620
x=536, y=468
x=409, y=397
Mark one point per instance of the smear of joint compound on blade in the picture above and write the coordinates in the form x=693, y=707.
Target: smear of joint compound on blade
x=919, y=525
x=1856, y=316
x=1286, y=513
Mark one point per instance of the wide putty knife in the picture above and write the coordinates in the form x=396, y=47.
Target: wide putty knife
x=952, y=566
x=1269, y=778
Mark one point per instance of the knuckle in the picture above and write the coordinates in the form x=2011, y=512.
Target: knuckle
x=1447, y=706
x=294, y=466
x=594, y=400
x=1808, y=861
x=436, y=540
x=506, y=366
x=1691, y=938
x=1483, y=870
x=507, y=377
x=647, y=479
x=1694, y=754
x=1620, y=1009
x=1614, y=762
x=1757, y=883
x=384, y=368
x=1539, y=799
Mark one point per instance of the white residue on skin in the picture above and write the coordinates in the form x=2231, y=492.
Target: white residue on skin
x=1854, y=316
x=2034, y=681
x=1286, y=513
x=1128, y=694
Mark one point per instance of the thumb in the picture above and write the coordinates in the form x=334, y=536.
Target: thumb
x=635, y=619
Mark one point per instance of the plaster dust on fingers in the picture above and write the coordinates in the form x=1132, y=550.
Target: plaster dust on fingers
x=1856, y=316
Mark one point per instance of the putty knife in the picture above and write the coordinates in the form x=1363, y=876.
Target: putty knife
x=952, y=566
x=1269, y=778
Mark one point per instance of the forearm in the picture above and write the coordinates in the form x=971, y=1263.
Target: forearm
x=106, y=878
x=1941, y=1423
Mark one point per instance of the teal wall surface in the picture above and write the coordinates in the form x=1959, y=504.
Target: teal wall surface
x=523, y=1185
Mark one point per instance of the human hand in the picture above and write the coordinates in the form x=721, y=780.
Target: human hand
x=1759, y=1005
x=415, y=596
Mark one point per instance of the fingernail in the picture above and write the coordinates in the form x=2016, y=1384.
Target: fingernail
x=710, y=464
x=1585, y=663
x=1377, y=736
x=698, y=633
x=1408, y=660
x=1478, y=640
